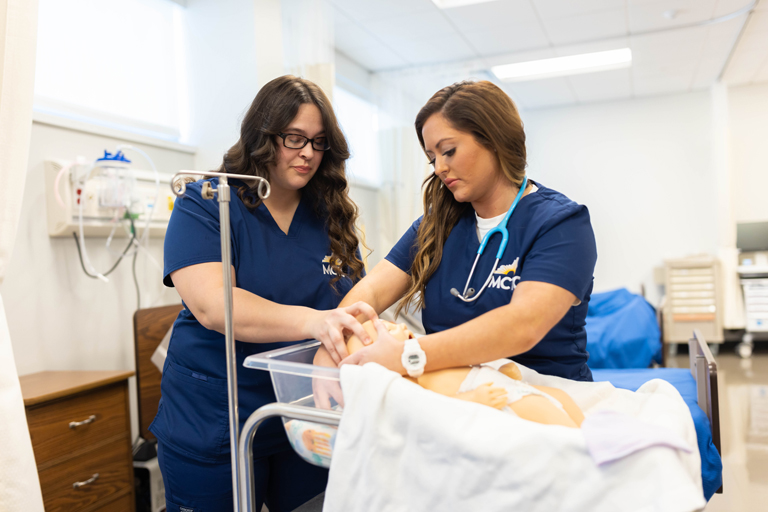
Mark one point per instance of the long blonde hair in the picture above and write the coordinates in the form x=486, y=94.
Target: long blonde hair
x=483, y=110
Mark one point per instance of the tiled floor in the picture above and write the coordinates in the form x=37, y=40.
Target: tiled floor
x=743, y=387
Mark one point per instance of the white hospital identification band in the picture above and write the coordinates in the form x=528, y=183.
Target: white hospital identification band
x=413, y=359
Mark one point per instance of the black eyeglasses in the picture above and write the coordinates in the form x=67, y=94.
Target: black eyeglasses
x=293, y=141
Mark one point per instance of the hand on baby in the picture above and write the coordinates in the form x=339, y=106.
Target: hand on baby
x=486, y=395
x=386, y=350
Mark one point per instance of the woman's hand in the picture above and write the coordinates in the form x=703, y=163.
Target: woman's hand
x=323, y=389
x=387, y=351
x=330, y=327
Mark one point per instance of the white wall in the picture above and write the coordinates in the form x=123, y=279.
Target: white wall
x=60, y=319
x=748, y=126
x=643, y=167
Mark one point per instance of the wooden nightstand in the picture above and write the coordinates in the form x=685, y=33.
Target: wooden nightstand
x=81, y=435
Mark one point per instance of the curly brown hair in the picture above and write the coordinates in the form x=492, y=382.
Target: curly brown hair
x=486, y=112
x=273, y=109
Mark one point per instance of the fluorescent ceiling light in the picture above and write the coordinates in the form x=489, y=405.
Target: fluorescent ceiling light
x=563, y=66
x=447, y=4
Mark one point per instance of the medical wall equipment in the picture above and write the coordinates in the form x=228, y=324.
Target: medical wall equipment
x=105, y=188
x=310, y=429
x=468, y=295
x=223, y=193
x=693, y=300
x=108, y=198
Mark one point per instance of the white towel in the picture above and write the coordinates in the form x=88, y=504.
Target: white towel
x=612, y=436
x=403, y=448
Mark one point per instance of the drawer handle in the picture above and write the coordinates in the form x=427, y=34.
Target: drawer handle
x=77, y=485
x=75, y=424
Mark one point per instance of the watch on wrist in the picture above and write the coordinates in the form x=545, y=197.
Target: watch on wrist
x=413, y=359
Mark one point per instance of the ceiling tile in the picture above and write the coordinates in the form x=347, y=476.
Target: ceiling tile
x=586, y=27
x=645, y=15
x=541, y=93
x=374, y=57
x=507, y=39
x=412, y=26
x=368, y=10
x=659, y=67
x=492, y=14
x=615, y=43
x=724, y=7
x=350, y=35
x=708, y=71
x=678, y=46
x=433, y=50
x=743, y=67
x=513, y=58
x=602, y=86
x=755, y=33
x=667, y=84
x=549, y=9
x=751, y=51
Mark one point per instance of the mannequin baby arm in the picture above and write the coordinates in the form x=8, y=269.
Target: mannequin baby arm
x=485, y=395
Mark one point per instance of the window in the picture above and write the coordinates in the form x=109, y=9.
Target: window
x=359, y=120
x=116, y=63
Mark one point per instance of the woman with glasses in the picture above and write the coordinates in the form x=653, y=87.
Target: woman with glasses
x=294, y=257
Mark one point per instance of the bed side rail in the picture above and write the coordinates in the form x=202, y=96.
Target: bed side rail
x=704, y=371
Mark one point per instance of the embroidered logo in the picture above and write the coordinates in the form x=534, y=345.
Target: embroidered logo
x=501, y=279
x=506, y=269
x=327, y=269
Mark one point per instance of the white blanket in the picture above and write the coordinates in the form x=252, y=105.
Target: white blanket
x=403, y=448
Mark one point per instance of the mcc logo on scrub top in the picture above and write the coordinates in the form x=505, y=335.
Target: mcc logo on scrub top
x=327, y=269
x=500, y=279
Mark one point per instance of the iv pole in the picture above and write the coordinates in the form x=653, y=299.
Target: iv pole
x=179, y=187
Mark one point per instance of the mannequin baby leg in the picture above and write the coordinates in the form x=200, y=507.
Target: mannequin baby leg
x=573, y=410
x=541, y=410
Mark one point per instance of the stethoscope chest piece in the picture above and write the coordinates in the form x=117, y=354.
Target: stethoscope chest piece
x=469, y=293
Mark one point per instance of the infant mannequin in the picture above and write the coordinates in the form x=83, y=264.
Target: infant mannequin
x=501, y=389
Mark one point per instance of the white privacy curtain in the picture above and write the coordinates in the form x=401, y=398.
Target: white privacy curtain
x=19, y=484
x=308, y=41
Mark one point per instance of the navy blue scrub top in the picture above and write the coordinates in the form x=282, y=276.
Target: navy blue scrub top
x=192, y=416
x=550, y=241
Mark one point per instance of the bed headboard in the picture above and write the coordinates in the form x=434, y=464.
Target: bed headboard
x=704, y=371
x=149, y=328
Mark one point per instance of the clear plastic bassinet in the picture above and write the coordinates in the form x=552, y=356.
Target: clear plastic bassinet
x=293, y=374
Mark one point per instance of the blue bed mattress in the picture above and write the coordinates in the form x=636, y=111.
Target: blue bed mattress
x=632, y=379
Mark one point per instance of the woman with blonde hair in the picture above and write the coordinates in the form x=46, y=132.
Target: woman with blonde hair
x=501, y=266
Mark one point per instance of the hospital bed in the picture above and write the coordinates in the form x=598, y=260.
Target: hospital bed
x=293, y=373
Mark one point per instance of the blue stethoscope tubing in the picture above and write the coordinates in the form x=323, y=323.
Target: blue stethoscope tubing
x=501, y=228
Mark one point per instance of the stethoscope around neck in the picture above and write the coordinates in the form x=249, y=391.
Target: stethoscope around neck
x=469, y=294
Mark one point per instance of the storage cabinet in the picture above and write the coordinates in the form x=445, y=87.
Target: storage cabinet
x=80, y=428
x=693, y=299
